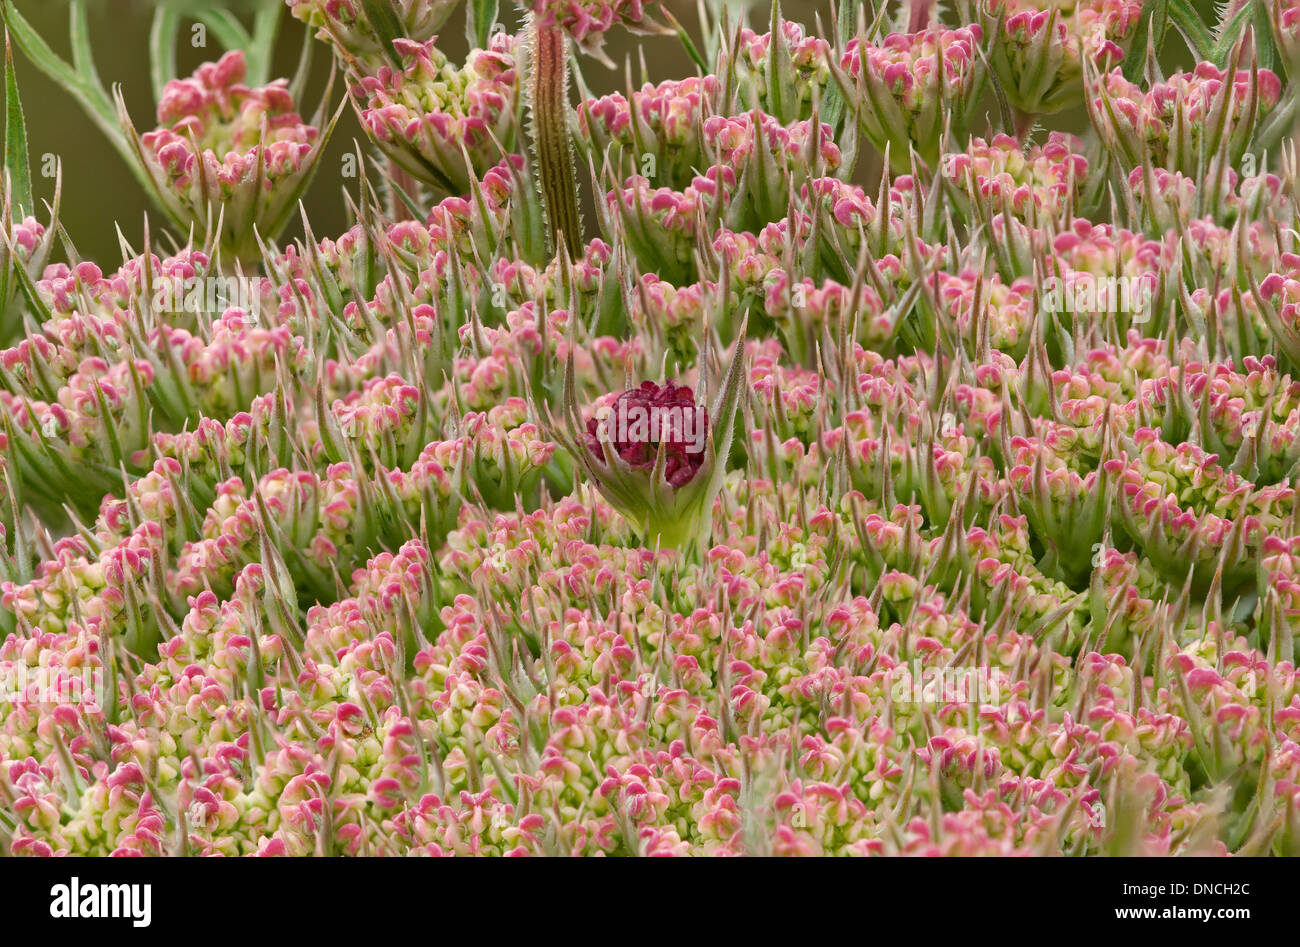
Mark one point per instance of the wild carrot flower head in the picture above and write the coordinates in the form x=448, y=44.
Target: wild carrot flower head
x=587, y=21
x=1038, y=183
x=1039, y=49
x=910, y=83
x=428, y=114
x=348, y=24
x=1285, y=20
x=222, y=147
x=649, y=418
x=1181, y=121
x=1005, y=558
x=654, y=454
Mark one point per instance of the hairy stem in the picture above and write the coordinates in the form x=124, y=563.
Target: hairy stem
x=1024, y=123
x=548, y=88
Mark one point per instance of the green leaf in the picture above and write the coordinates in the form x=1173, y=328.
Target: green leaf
x=687, y=43
x=481, y=16
x=302, y=75
x=16, y=162
x=162, y=49
x=833, y=107
x=1265, y=43
x=385, y=24
x=1188, y=22
x=1231, y=30
x=230, y=32
x=780, y=70
x=92, y=97
x=1152, y=26
x=266, y=27
x=83, y=58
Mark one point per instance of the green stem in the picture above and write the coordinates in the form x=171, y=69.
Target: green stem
x=1024, y=124
x=548, y=89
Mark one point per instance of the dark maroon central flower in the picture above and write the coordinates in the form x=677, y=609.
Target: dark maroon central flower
x=641, y=419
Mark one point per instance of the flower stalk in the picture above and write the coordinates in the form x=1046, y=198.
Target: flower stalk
x=552, y=144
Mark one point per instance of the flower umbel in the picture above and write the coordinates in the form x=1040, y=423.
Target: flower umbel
x=224, y=152
x=354, y=27
x=443, y=124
